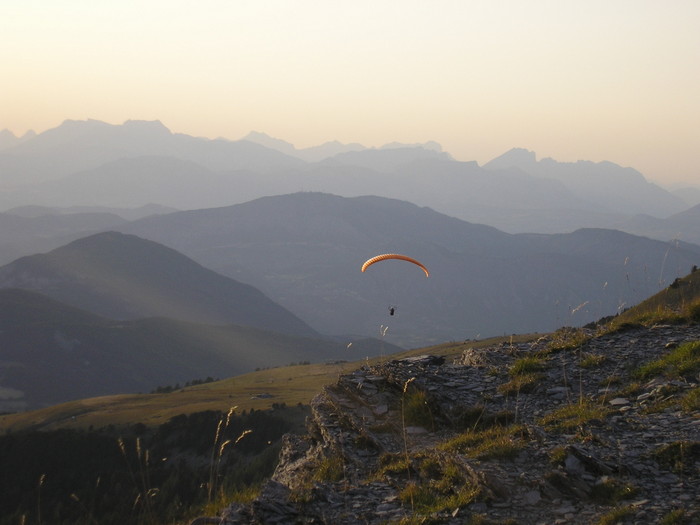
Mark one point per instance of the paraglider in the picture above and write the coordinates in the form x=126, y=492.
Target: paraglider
x=398, y=256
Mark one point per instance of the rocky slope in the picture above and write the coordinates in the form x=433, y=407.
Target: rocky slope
x=556, y=430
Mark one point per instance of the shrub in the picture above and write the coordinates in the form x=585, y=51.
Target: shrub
x=330, y=469
x=524, y=384
x=526, y=366
x=416, y=410
x=679, y=456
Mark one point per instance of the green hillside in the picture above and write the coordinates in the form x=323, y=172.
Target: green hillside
x=258, y=390
x=677, y=303
x=52, y=353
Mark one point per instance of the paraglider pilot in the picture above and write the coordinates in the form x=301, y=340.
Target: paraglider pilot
x=391, y=310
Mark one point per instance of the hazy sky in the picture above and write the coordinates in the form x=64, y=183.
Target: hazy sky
x=614, y=80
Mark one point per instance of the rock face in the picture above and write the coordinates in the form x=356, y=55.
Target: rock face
x=543, y=432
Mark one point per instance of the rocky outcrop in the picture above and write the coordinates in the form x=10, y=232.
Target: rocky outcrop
x=533, y=433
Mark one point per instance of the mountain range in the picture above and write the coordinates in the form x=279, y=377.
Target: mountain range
x=305, y=251
x=136, y=163
x=252, y=253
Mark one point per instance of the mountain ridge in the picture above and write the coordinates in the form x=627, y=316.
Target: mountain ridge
x=520, y=195
x=124, y=277
x=305, y=251
x=595, y=181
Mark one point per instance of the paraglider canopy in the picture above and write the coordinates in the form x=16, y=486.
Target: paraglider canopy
x=398, y=256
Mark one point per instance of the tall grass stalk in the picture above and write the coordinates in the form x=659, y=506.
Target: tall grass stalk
x=405, y=433
x=142, y=483
x=580, y=375
x=144, y=474
x=218, y=447
x=565, y=377
x=42, y=478
x=89, y=513
x=217, y=451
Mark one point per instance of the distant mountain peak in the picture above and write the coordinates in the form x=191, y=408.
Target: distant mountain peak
x=430, y=145
x=515, y=157
x=270, y=142
x=148, y=126
x=9, y=139
x=75, y=123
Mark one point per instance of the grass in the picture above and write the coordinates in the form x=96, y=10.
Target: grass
x=675, y=517
x=679, y=457
x=558, y=455
x=691, y=401
x=521, y=384
x=140, y=477
x=427, y=498
x=243, y=495
x=214, y=490
x=570, y=417
x=526, y=365
x=592, y=360
x=616, y=515
x=440, y=484
x=416, y=409
x=429, y=482
x=525, y=375
x=496, y=442
x=683, y=362
x=567, y=338
x=392, y=465
x=289, y=385
x=678, y=303
x=329, y=469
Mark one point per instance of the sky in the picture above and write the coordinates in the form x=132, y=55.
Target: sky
x=615, y=80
